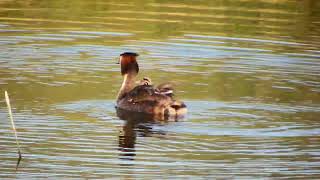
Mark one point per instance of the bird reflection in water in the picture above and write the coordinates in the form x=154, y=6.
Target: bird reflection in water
x=136, y=124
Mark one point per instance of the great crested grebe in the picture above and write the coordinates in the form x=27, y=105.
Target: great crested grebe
x=144, y=97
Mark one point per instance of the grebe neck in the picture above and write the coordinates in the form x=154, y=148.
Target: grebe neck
x=127, y=85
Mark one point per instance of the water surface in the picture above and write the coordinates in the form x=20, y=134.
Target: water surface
x=247, y=70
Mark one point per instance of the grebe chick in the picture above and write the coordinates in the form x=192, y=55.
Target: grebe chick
x=165, y=88
x=145, y=81
x=144, y=97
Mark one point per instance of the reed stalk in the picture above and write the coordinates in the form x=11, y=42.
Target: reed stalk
x=13, y=127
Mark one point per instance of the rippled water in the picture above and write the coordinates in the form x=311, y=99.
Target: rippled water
x=248, y=71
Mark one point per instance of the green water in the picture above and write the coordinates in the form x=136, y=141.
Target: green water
x=247, y=70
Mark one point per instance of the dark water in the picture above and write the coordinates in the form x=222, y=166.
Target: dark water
x=248, y=71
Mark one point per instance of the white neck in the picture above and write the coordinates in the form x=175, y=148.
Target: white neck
x=127, y=85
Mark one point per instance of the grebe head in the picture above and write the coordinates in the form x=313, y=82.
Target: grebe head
x=129, y=63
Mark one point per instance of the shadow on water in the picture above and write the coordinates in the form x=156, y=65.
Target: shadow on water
x=136, y=124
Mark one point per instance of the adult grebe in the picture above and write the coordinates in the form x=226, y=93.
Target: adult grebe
x=144, y=97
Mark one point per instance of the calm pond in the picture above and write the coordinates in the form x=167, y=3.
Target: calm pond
x=249, y=72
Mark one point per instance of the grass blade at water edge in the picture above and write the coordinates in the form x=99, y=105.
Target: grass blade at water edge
x=13, y=127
